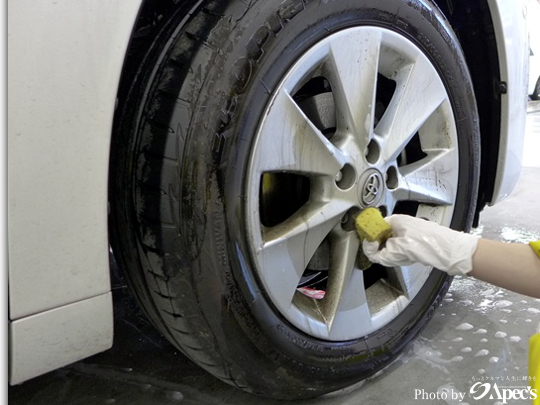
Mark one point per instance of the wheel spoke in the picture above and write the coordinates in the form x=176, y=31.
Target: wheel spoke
x=391, y=197
x=288, y=247
x=419, y=93
x=290, y=142
x=440, y=215
x=343, y=256
x=431, y=180
x=353, y=309
x=353, y=66
x=409, y=279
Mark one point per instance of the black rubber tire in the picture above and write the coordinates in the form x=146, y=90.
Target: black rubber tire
x=178, y=165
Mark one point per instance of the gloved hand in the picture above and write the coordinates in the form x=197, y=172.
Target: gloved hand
x=416, y=240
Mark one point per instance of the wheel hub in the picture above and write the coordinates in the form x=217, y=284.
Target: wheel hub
x=371, y=188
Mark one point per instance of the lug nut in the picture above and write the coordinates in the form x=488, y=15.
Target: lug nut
x=339, y=176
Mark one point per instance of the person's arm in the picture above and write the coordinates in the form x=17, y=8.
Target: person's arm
x=513, y=266
x=509, y=265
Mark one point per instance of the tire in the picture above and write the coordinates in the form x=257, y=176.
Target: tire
x=184, y=184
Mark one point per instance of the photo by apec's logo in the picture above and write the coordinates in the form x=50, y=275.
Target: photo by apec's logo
x=480, y=391
x=504, y=394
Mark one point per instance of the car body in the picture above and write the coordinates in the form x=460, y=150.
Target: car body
x=533, y=16
x=65, y=67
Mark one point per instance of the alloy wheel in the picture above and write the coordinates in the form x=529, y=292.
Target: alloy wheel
x=361, y=119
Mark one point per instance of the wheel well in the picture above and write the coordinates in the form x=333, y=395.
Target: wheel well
x=473, y=26
x=150, y=21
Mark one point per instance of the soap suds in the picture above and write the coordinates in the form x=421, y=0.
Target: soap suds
x=503, y=304
x=481, y=353
x=518, y=235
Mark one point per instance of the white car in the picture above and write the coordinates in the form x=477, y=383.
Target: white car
x=533, y=19
x=222, y=148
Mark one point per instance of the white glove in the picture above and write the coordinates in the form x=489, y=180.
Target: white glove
x=416, y=240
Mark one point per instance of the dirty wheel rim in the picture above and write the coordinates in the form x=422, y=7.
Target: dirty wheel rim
x=361, y=119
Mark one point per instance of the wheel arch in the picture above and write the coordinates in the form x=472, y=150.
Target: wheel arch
x=473, y=24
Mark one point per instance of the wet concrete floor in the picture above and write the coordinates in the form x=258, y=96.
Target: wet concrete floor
x=479, y=332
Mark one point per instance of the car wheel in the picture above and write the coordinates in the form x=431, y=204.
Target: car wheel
x=250, y=138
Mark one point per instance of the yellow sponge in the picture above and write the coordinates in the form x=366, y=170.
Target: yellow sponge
x=371, y=225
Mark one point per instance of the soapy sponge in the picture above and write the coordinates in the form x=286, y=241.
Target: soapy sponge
x=371, y=225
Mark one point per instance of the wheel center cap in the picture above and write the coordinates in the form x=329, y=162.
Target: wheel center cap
x=371, y=188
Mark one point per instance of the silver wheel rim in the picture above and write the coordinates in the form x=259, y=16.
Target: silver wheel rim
x=364, y=163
